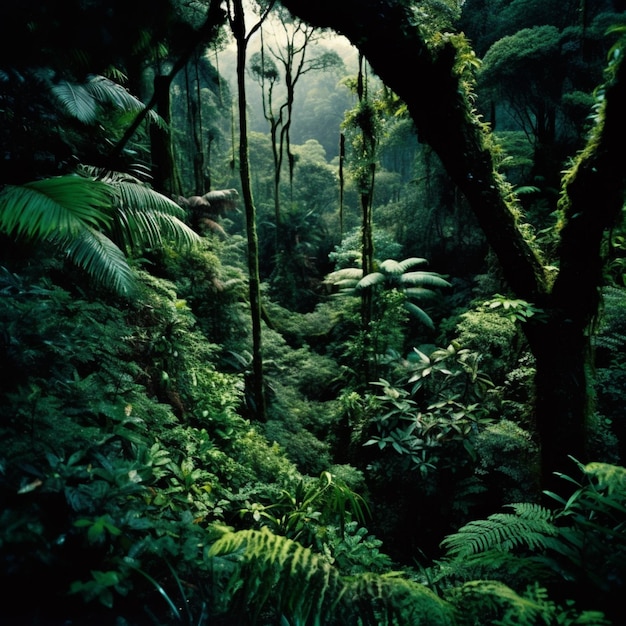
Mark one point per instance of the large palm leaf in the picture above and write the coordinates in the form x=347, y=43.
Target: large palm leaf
x=93, y=220
x=101, y=258
x=85, y=101
x=143, y=217
x=62, y=205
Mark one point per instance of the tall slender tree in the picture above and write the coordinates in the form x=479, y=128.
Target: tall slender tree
x=363, y=124
x=242, y=35
x=290, y=56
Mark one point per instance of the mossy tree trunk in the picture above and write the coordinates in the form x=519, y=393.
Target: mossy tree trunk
x=238, y=28
x=430, y=81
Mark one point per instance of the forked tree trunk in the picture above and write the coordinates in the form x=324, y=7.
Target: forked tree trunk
x=428, y=82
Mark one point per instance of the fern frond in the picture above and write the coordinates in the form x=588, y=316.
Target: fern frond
x=507, y=567
x=492, y=602
x=278, y=572
x=272, y=568
x=390, y=599
x=531, y=526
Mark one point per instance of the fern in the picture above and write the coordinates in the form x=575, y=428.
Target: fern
x=392, y=600
x=511, y=569
x=492, y=602
x=273, y=572
x=609, y=477
x=531, y=525
x=298, y=582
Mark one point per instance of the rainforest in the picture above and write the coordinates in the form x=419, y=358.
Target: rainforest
x=312, y=313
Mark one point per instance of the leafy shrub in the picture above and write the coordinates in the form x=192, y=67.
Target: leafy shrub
x=496, y=337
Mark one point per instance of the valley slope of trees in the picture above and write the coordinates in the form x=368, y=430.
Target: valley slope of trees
x=312, y=313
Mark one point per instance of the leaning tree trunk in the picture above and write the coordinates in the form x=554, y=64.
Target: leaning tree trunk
x=431, y=82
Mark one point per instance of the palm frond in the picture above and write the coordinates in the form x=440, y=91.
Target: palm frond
x=420, y=314
x=64, y=204
x=346, y=285
x=84, y=100
x=77, y=101
x=375, y=278
x=391, y=266
x=346, y=272
x=418, y=293
x=146, y=217
x=424, y=279
x=405, y=264
x=100, y=258
x=106, y=90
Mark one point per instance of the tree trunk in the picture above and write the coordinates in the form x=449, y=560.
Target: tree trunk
x=435, y=95
x=164, y=177
x=258, y=392
x=203, y=36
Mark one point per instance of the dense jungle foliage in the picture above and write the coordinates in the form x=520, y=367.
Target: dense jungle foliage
x=312, y=313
